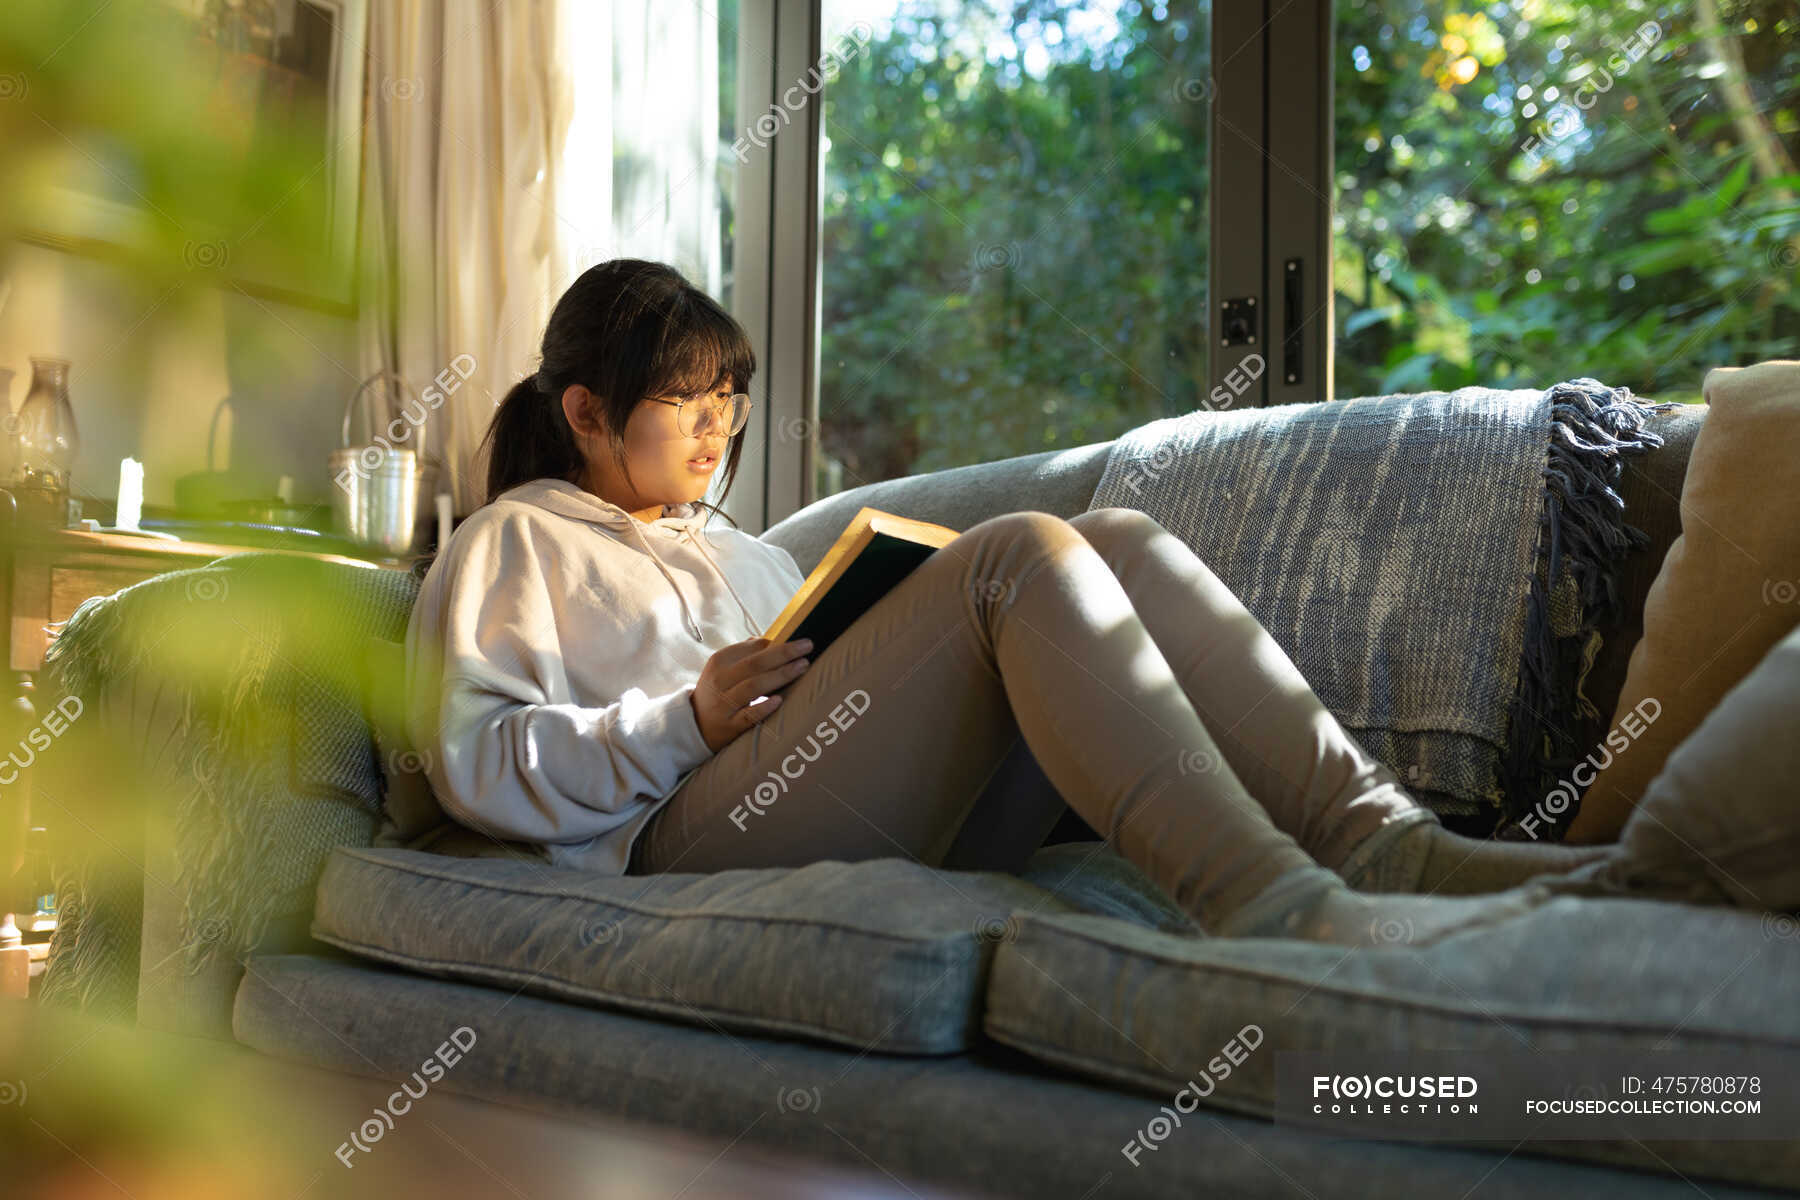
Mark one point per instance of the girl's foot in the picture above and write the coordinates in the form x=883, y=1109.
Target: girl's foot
x=1425, y=857
x=1313, y=904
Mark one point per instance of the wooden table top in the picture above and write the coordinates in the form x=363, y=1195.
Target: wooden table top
x=72, y=541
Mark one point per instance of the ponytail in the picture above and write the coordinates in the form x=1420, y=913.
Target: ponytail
x=529, y=438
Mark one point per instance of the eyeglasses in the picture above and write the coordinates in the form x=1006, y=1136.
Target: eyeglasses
x=692, y=412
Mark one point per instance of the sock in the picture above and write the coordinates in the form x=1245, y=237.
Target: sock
x=1313, y=904
x=1425, y=857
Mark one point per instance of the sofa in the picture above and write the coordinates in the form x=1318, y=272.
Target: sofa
x=1005, y=1034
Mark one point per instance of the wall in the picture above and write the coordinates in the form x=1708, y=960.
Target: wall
x=147, y=374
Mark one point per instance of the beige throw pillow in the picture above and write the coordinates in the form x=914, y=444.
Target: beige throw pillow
x=1729, y=588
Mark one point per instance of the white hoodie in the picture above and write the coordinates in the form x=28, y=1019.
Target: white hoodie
x=551, y=655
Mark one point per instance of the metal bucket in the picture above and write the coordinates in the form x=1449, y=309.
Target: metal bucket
x=380, y=492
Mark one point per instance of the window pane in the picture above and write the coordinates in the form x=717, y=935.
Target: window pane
x=1014, y=236
x=1530, y=191
x=726, y=183
x=649, y=171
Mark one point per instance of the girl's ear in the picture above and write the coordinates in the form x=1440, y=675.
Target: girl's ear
x=583, y=411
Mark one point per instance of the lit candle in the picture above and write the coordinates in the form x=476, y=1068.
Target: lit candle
x=131, y=493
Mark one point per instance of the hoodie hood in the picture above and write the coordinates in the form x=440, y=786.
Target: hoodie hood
x=679, y=522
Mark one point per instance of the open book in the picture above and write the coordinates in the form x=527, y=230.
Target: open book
x=876, y=551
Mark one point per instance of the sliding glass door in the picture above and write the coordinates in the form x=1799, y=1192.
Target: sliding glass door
x=1013, y=247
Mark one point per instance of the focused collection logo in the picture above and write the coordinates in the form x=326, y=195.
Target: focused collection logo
x=1340, y=1095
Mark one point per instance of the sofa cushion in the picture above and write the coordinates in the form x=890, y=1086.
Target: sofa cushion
x=1719, y=824
x=884, y=954
x=958, y=1123
x=1572, y=976
x=961, y=1122
x=1095, y=878
x=1728, y=588
x=224, y=716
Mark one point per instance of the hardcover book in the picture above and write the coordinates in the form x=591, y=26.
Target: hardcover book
x=873, y=554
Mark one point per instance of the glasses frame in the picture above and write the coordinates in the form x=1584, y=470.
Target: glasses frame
x=681, y=405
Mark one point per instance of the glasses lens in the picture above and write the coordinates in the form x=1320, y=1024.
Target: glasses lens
x=693, y=415
x=701, y=412
x=698, y=412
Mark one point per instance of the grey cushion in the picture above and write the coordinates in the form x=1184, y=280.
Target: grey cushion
x=1095, y=878
x=953, y=1121
x=1572, y=976
x=884, y=955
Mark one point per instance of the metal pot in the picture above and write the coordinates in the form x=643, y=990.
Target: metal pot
x=380, y=491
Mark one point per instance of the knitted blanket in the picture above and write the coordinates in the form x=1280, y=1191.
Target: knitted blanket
x=1435, y=564
x=221, y=719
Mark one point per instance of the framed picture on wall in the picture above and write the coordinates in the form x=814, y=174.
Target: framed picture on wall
x=277, y=89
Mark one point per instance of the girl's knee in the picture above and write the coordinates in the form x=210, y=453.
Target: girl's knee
x=1111, y=530
x=1010, y=546
x=1115, y=520
x=1026, y=527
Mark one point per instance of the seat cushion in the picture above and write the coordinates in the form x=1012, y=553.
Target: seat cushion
x=885, y=955
x=1572, y=976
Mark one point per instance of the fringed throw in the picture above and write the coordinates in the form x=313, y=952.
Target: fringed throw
x=1436, y=564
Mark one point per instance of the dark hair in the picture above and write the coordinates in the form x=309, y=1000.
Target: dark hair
x=626, y=329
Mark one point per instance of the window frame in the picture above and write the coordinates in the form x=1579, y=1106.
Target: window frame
x=1270, y=146
x=776, y=257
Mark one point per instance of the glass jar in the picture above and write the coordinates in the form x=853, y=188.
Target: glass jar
x=48, y=439
x=47, y=442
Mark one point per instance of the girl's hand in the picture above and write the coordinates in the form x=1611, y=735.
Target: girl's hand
x=734, y=677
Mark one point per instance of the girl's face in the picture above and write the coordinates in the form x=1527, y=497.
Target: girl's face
x=661, y=457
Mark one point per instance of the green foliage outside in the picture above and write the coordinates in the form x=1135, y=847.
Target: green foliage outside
x=1640, y=234
x=1015, y=248
x=1013, y=261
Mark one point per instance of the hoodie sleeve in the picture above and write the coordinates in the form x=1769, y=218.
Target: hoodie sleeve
x=508, y=756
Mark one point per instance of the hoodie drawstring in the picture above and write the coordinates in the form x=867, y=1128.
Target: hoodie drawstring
x=687, y=613
x=700, y=544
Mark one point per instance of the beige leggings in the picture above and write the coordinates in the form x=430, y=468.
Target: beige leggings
x=1158, y=707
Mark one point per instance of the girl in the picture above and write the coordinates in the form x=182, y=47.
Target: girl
x=585, y=666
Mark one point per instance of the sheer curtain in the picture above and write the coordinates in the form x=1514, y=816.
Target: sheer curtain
x=646, y=119
x=508, y=148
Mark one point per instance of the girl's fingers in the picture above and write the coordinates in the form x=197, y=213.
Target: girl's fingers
x=767, y=682
x=774, y=656
x=756, y=714
x=737, y=652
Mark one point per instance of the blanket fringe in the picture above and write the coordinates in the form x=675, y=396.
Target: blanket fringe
x=1582, y=538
